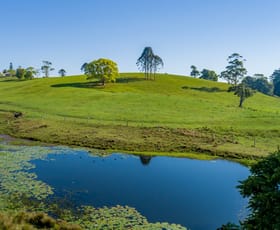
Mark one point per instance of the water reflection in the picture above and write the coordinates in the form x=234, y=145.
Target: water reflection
x=145, y=160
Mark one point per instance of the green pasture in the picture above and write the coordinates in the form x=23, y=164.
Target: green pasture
x=170, y=101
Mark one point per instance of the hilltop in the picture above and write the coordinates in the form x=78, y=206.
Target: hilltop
x=175, y=115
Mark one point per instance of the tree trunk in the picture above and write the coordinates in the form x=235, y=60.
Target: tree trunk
x=241, y=102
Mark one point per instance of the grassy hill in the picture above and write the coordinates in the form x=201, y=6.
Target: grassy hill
x=171, y=114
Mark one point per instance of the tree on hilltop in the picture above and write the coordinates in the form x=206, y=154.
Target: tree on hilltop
x=25, y=74
x=209, y=75
x=235, y=70
x=62, y=72
x=194, y=71
x=103, y=69
x=149, y=63
x=46, y=68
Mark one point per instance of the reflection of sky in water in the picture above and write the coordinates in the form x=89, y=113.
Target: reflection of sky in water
x=196, y=194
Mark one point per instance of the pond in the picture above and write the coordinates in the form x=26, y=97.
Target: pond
x=196, y=194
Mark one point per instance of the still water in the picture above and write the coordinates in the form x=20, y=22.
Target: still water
x=196, y=194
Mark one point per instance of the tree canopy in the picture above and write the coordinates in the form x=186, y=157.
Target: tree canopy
x=209, y=75
x=25, y=74
x=62, y=72
x=149, y=63
x=260, y=83
x=235, y=70
x=194, y=71
x=103, y=69
x=262, y=188
x=275, y=77
x=46, y=68
x=242, y=91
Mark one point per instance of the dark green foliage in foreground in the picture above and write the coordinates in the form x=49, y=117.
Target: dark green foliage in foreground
x=262, y=188
x=209, y=75
x=229, y=226
x=33, y=220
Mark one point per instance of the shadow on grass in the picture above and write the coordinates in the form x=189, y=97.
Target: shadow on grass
x=9, y=80
x=96, y=84
x=79, y=85
x=129, y=79
x=206, y=89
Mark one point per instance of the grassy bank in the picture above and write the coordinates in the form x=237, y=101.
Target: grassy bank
x=173, y=114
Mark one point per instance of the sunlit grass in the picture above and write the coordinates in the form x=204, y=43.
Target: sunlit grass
x=170, y=101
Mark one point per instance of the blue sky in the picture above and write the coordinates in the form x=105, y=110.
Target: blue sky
x=182, y=32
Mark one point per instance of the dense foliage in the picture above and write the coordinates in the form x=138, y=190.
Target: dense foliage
x=103, y=69
x=25, y=74
x=260, y=83
x=262, y=188
x=209, y=75
x=275, y=77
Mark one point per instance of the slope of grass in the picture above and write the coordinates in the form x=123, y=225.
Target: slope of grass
x=127, y=114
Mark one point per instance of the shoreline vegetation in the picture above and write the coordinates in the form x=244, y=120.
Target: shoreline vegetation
x=172, y=116
x=26, y=202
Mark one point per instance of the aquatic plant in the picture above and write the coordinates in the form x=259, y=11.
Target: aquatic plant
x=22, y=192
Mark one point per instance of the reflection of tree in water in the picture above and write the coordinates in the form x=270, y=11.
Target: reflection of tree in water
x=145, y=160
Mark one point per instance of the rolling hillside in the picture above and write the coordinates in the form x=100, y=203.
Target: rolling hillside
x=198, y=108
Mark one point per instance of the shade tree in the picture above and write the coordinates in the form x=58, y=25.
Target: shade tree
x=105, y=70
x=242, y=91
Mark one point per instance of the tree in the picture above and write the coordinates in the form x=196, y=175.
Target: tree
x=83, y=67
x=30, y=73
x=149, y=63
x=62, y=72
x=194, y=73
x=242, y=91
x=11, y=66
x=103, y=69
x=209, y=75
x=275, y=77
x=26, y=74
x=20, y=72
x=260, y=83
x=262, y=188
x=46, y=68
x=156, y=64
x=235, y=70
